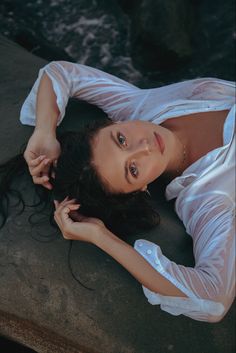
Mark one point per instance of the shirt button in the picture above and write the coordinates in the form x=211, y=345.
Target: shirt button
x=149, y=252
x=140, y=244
x=156, y=262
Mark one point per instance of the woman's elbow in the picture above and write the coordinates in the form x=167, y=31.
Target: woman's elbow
x=224, y=304
x=215, y=319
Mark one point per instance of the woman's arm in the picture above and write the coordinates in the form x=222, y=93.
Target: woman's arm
x=204, y=292
x=77, y=227
x=47, y=111
x=133, y=262
x=122, y=100
x=43, y=148
x=45, y=107
x=118, y=98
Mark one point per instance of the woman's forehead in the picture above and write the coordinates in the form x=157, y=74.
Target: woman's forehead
x=109, y=161
x=101, y=132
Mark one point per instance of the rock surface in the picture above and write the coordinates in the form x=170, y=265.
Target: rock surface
x=161, y=33
x=42, y=306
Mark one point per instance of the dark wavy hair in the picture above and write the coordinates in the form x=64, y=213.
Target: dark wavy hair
x=76, y=177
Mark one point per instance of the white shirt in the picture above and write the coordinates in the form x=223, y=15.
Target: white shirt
x=205, y=192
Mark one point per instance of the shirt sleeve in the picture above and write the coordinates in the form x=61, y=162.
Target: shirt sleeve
x=209, y=286
x=116, y=97
x=124, y=101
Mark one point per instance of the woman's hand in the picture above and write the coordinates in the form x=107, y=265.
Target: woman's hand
x=75, y=226
x=42, y=150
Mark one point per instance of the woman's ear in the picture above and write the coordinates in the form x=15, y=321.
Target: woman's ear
x=144, y=188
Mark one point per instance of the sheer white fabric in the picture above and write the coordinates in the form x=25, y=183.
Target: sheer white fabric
x=205, y=192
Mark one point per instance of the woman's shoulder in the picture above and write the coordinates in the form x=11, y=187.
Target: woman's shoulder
x=201, y=88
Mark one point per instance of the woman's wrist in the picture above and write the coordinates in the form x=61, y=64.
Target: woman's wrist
x=99, y=236
x=45, y=129
x=103, y=238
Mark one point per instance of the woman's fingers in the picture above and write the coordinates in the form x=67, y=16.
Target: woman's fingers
x=33, y=162
x=64, y=202
x=62, y=217
x=56, y=203
x=76, y=216
x=41, y=151
x=72, y=224
x=47, y=185
x=40, y=179
x=59, y=206
x=43, y=180
x=42, y=166
x=39, y=170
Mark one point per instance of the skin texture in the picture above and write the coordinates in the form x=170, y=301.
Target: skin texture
x=139, y=152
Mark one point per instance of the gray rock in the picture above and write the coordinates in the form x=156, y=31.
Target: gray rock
x=161, y=33
x=41, y=305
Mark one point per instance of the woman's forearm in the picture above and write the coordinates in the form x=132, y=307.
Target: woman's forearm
x=133, y=262
x=47, y=111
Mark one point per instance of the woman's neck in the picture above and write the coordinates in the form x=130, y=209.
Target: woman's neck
x=179, y=156
x=194, y=136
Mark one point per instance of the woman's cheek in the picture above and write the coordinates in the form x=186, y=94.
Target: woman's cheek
x=151, y=173
x=158, y=168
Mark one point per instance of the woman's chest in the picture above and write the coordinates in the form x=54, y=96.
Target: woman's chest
x=200, y=132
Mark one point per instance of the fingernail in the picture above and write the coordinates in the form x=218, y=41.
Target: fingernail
x=74, y=206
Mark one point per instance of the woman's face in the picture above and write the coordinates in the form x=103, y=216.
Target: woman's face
x=130, y=155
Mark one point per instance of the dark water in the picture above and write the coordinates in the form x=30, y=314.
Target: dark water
x=98, y=33
x=90, y=32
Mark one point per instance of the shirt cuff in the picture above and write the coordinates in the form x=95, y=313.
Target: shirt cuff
x=192, y=306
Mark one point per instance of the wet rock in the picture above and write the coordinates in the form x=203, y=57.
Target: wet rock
x=40, y=46
x=161, y=33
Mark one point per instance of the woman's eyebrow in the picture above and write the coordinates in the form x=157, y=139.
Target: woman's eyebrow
x=126, y=169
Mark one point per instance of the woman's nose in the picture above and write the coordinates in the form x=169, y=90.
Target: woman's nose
x=141, y=148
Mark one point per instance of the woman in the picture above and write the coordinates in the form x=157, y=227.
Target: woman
x=184, y=131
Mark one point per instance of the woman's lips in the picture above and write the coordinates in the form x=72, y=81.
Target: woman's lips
x=160, y=142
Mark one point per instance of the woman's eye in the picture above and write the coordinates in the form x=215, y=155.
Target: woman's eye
x=133, y=170
x=121, y=139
